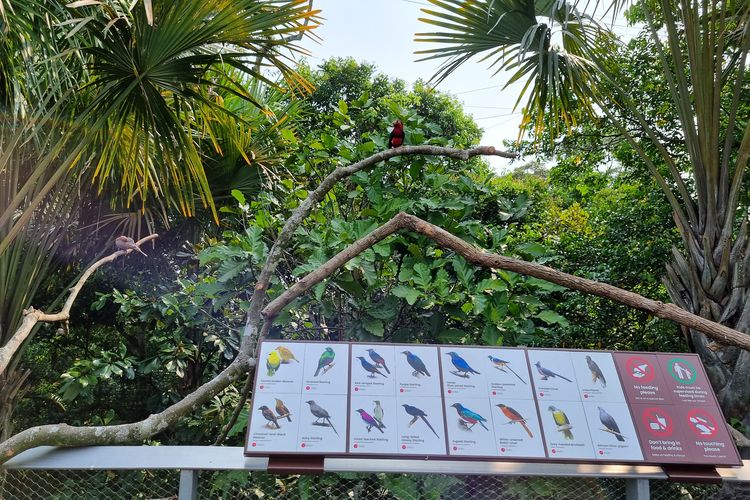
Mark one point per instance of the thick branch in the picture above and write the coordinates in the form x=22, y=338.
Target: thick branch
x=482, y=258
x=252, y=323
x=67, y=435
x=32, y=316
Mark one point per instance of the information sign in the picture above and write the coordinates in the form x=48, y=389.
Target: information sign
x=424, y=401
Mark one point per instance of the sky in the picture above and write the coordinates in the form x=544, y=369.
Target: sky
x=382, y=32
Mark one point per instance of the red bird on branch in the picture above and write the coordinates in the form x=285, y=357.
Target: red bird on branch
x=396, y=138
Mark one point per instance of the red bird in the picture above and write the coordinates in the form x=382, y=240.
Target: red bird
x=125, y=243
x=396, y=138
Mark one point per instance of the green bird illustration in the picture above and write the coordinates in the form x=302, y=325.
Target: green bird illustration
x=325, y=362
x=378, y=413
x=562, y=422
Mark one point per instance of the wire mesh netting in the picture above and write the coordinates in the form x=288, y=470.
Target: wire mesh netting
x=88, y=484
x=162, y=484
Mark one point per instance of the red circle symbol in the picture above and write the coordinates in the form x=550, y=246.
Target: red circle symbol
x=403, y=446
x=502, y=449
x=701, y=423
x=639, y=369
x=261, y=386
x=601, y=452
x=356, y=445
x=307, y=388
x=449, y=391
x=494, y=393
x=401, y=390
x=541, y=394
x=585, y=396
x=554, y=451
x=356, y=389
x=455, y=448
x=254, y=445
x=657, y=422
x=302, y=445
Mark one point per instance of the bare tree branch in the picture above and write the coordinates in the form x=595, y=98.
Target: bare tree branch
x=33, y=316
x=254, y=318
x=482, y=258
x=66, y=435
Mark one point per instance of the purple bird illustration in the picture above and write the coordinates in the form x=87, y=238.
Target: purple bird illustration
x=370, y=421
x=370, y=368
x=378, y=359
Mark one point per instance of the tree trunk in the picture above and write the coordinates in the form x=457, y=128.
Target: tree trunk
x=718, y=291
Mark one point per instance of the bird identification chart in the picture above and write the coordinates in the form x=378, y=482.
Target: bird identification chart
x=420, y=401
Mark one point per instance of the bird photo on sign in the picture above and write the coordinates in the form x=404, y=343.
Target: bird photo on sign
x=370, y=368
x=325, y=362
x=609, y=423
x=420, y=369
x=322, y=417
x=515, y=418
x=467, y=418
x=277, y=357
x=416, y=414
x=561, y=421
x=462, y=367
x=270, y=416
x=504, y=366
x=546, y=373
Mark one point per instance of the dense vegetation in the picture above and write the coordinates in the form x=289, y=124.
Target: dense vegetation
x=216, y=155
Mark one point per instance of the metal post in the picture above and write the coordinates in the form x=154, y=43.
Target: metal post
x=637, y=489
x=189, y=484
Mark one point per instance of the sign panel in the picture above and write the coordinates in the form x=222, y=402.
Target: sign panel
x=425, y=401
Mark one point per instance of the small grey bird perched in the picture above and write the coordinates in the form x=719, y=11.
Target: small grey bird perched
x=126, y=243
x=319, y=412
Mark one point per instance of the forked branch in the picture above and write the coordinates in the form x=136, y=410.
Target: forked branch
x=33, y=316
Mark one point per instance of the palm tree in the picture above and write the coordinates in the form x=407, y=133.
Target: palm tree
x=563, y=56
x=127, y=99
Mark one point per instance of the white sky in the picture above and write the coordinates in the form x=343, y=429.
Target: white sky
x=382, y=32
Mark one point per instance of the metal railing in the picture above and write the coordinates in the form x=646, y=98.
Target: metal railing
x=114, y=472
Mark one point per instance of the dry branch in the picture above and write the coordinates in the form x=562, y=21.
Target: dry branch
x=33, y=316
x=482, y=258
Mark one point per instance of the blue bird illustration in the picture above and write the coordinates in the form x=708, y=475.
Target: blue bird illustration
x=462, y=367
x=545, y=373
x=469, y=416
x=370, y=421
x=418, y=413
x=502, y=364
x=370, y=368
x=378, y=359
x=416, y=363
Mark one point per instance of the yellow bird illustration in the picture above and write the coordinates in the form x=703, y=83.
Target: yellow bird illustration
x=286, y=355
x=562, y=422
x=272, y=362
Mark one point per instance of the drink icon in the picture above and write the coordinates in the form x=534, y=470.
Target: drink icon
x=657, y=422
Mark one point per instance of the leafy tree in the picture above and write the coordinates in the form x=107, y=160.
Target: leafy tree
x=700, y=52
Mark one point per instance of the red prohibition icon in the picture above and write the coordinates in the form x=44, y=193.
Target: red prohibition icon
x=657, y=422
x=639, y=370
x=701, y=423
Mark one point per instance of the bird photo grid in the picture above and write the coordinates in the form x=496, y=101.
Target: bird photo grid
x=334, y=398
